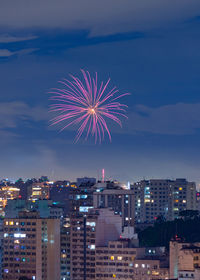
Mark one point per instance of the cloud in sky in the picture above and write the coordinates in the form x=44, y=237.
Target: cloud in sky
x=176, y=119
x=11, y=113
x=8, y=53
x=13, y=39
x=100, y=17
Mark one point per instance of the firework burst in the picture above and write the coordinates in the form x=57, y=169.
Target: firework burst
x=87, y=104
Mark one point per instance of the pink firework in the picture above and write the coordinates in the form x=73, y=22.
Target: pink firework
x=87, y=104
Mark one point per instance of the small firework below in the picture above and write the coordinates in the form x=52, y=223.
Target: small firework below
x=88, y=105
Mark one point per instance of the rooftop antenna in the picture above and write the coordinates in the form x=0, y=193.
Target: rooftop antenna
x=103, y=175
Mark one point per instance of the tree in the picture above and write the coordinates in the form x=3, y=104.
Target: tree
x=189, y=214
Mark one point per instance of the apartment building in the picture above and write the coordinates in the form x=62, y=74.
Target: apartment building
x=89, y=230
x=154, y=198
x=120, y=200
x=184, y=260
x=31, y=247
x=120, y=260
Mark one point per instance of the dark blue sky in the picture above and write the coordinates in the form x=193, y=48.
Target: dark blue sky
x=150, y=48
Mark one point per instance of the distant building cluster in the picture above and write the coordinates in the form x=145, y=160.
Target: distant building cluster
x=89, y=229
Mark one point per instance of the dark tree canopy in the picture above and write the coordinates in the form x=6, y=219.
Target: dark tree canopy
x=186, y=228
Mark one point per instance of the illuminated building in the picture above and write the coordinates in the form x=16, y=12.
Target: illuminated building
x=65, y=250
x=31, y=247
x=81, y=196
x=7, y=193
x=104, y=195
x=46, y=208
x=121, y=201
x=198, y=200
x=184, y=260
x=39, y=191
x=154, y=198
x=121, y=260
x=88, y=230
x=1, y=246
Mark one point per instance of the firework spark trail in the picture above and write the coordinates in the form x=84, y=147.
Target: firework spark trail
x=87, y=105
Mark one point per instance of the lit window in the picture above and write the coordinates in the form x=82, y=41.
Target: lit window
x=92, y=224
x=180, y=189
x=112, y=258
x=19, y=235
x=143, y=265
x=119, y=258
x=6, y=222
x=136, y=265
x=11, y=223
x=155, y=272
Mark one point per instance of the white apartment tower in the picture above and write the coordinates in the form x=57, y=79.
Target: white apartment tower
x=154, y=198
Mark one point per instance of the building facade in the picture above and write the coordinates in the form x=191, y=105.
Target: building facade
x=120, y=260
x=121, y=201
x=184, y=260
x=39, y=191
x=65, y=251
x=154, y=198
x=89, y=230
x=31, y=247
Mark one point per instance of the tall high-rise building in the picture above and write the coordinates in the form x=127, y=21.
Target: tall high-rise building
x=31, y=247
x=65, y=251
x=81, y=196
x=120, y=200
x=1, y=246
x=154, y=198
x=89, y=230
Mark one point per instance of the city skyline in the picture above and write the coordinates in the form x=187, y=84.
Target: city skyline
x=154, y=56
